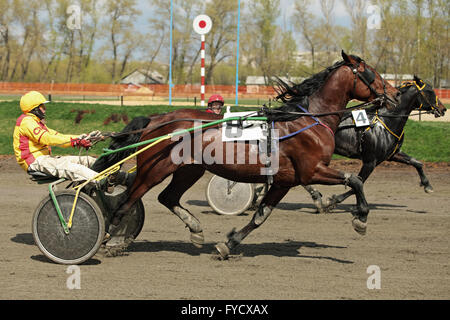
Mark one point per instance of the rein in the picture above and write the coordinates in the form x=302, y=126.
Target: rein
x=318, y=122
x=261, y=112
x=365, y=105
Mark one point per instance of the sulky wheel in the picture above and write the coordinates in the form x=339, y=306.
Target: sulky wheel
x=135, y=218
x=139, y=213
x=229, y=197
x=84, y=237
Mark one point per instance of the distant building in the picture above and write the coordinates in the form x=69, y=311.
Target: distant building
x=444, y=83
x=260, y=81
x=397, y=79
x=142, y=76
x=320, y=57
x=254, y=83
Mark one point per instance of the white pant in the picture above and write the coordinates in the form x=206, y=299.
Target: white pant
x=74, y=168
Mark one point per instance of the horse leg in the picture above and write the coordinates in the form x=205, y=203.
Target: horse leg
x=317, y=198
x=144, y=181
x=364, y=173
x=270, y=200
x=150, y=175
x=326, y=175
x=402, y=157
x=182, y=180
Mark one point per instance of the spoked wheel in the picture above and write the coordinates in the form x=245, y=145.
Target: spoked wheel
x=229, y=197
x=139, y=214
x=83, y=239
x=134, y=219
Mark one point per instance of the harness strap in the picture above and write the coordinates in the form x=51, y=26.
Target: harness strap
x=318, y=122
x=398, y=137
x=377, y=118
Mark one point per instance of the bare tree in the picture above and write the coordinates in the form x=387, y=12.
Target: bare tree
x=327, y=36
x=184, y=46
x=357, y=11
x=303, y=21
x=122, y=14
x=6, y=18
x=221, y=38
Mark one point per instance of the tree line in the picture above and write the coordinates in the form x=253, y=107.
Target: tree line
x=101, y=41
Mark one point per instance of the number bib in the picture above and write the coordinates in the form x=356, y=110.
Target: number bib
x=360, y=118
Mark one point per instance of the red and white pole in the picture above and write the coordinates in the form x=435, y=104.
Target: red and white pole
x=202, y=25
x=202, y=55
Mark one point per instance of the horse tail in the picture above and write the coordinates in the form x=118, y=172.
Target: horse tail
x=124, y=138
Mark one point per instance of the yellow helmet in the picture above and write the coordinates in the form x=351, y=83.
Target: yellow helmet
x=31, y=100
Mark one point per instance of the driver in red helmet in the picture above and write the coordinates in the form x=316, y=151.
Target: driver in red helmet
x=215, y=104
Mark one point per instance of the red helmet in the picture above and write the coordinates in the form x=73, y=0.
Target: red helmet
x=216, y=97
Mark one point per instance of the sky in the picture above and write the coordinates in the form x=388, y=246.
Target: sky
x=341, y=17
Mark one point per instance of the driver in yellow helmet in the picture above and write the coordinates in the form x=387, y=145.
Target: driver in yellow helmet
x=33, y=140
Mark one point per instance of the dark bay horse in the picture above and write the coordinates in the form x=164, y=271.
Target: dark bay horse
x=383, y=139
x=303, y=158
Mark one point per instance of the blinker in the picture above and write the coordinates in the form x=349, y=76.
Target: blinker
x=369, y=75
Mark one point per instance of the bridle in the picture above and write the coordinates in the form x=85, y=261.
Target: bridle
x=368, y=77
x=434, y=107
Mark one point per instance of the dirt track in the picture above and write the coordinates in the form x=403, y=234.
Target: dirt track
x=295, y=255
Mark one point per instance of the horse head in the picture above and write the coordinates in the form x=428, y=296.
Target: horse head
x=428, y=99
x=425, y=97
x=368, y=83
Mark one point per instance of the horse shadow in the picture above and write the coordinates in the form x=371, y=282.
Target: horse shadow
x=307, y=208
x=203, y=203
x=284, y=249
x=340, y=208
x=288, y=248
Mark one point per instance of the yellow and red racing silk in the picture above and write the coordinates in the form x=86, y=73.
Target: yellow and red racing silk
x=33, y=139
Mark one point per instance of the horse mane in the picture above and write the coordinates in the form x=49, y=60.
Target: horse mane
x=122, y=140
x=295, y=92
x=293, y=95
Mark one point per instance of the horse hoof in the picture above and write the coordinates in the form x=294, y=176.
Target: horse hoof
x=223, y=250
x=116, y=247
x=359, y=226
x=319, y=207
x=329, y=205
x=106, y=238
x=197, y=239
x=328, y=208
x=320, y=210
x=428, y=189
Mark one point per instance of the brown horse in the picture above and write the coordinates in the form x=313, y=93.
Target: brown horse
x=303, y=158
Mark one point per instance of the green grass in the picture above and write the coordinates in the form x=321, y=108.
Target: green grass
x=426, y=141
x=60, y=117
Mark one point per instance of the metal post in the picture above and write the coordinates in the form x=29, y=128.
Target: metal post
x=170, y=63
x=237, y=52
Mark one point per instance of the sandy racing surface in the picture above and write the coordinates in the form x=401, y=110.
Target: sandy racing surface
x=295, y=255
